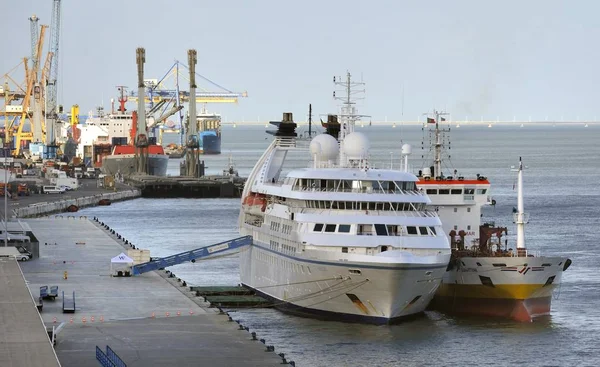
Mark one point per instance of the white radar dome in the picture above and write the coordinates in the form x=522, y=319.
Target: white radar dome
x=325, y=147
x=406, y=149
x=356, y=145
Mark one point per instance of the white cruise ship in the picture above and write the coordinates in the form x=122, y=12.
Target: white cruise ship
x=340, y=239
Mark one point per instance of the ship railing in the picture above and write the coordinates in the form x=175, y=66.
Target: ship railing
x=285, y=142
x=361, y=191
x=399, y=213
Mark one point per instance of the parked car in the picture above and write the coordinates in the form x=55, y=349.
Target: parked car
x=66, y=188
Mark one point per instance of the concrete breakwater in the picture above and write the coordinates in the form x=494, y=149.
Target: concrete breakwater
x=45, y=208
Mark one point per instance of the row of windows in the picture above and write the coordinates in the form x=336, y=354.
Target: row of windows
x=375, y=229
x=353, y=185
x=283, y=228
x=361, y=205
x=455, y=191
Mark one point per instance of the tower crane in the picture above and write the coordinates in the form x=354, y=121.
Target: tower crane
x=52, y=108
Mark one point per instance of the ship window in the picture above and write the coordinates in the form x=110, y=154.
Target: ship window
x=318, y=227
x=468, y=210
x=456, y=191
x=411, y=230
x=481, y=191
x=444, y=191
x=392, y=230
x=432, y=229
x=381, y=230
x=384, y=248
x=455, y=210
x=330, y=228
x=468, y=228
x=500, y=265
x=431, y=191
x=345, y=250
x=469, y=191
x=354, y=271
x=423, y=231
x=344, y=228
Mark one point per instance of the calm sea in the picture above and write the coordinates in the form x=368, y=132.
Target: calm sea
x=562, y=196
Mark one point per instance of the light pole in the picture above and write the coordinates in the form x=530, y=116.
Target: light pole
x=5, y=198
x=391, y=160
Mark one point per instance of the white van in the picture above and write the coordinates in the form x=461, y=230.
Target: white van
x=52, y=190
x=12, y=252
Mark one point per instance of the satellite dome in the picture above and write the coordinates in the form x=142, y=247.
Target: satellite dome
x=406, y=149
x=325, y=147
x=356, y=145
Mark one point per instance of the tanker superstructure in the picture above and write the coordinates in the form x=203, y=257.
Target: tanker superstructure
x=339, y=239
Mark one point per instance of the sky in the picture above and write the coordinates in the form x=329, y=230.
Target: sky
x=474, y=59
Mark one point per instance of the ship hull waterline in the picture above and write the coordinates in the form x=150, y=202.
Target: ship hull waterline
x=521, y=291
x=374, y=294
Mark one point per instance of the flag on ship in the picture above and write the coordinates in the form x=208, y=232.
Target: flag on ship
x=430, y=120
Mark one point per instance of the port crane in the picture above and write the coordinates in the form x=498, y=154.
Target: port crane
x=31, y=94
x=52, y=107
x=166, y=101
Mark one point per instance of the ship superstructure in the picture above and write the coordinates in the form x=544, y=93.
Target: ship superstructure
x=209, y=132
x=339, y=239
x=485, y=276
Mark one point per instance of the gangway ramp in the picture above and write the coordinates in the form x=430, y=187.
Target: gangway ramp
x=192, y=255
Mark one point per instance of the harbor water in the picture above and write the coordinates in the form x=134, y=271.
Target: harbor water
x=561, y=195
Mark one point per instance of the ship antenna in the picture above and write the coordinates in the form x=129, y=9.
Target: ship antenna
x=438, y=143
x=520, y=217
x=348, y=114
x=309, y=120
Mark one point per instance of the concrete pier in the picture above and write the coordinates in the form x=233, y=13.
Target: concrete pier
x=188, y=187
x=147, y=320
x=23, y=338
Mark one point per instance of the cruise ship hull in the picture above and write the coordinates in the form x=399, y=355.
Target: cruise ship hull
x=125, y=164
x=521, y=290
x=378, y=293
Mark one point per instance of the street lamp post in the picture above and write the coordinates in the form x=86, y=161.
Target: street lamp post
x=5, y=197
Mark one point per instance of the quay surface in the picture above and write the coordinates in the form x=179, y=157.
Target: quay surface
x=148, y=320
x=24, y=341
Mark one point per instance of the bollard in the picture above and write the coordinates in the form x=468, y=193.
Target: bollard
x=253, y=335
